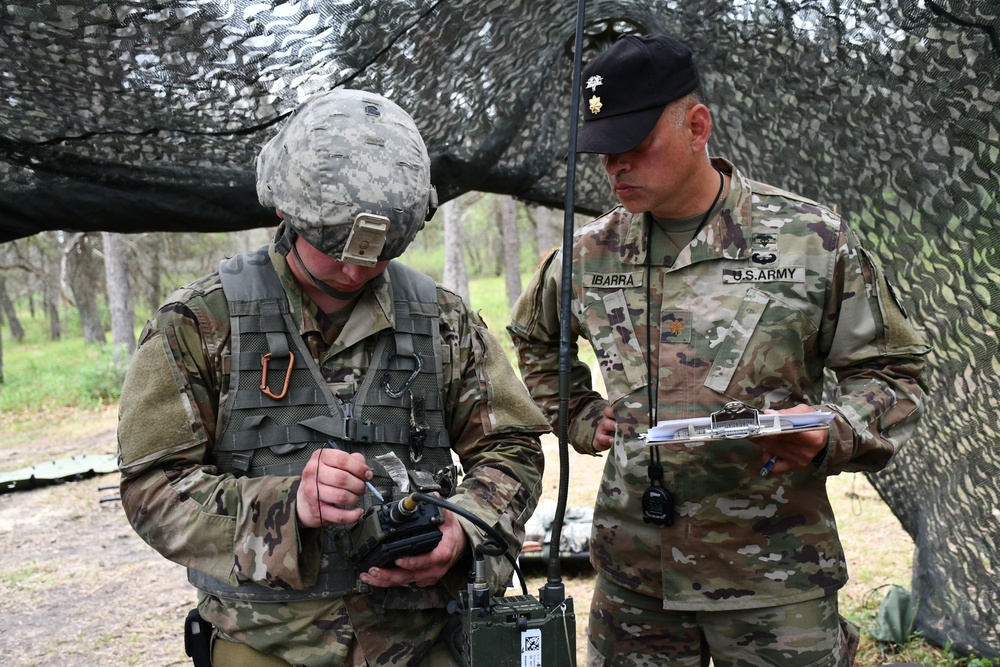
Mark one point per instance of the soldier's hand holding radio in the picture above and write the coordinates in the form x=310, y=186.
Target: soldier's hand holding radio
x=427, y=568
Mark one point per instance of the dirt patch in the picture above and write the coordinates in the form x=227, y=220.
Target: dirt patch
x=79, y=588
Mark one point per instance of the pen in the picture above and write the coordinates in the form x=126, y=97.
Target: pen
x=767, y=466
x=371, y=487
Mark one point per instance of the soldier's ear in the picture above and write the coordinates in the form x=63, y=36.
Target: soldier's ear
x=699, y=124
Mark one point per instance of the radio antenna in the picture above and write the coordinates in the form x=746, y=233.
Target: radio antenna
x=554, y=591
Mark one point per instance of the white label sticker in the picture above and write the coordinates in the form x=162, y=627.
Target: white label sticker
x=396, y=470
x=531, y=648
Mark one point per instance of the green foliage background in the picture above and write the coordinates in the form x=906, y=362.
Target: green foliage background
x=44, y=374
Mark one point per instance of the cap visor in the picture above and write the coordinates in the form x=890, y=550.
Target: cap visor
x=616, y=134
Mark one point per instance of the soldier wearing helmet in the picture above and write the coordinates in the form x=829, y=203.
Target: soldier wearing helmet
x=351, y=174
x=272, y=403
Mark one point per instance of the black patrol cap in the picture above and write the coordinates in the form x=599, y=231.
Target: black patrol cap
x=626, y=88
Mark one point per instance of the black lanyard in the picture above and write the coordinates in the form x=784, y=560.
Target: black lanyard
x=657, y=501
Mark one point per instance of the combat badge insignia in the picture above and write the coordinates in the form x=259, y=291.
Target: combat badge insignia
x=764, y=241
x=764, y=258
x=764, y=248
x=595, y=104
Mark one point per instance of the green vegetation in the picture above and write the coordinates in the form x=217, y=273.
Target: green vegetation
x=488, y=297
x=63, y=373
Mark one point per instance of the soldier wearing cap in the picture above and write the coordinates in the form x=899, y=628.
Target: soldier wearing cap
x=271, y=403
x=701, y=289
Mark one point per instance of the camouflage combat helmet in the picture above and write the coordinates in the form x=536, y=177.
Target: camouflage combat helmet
x=351, y=175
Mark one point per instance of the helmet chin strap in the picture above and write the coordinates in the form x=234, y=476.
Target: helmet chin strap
x=284, y=236
x=320, y=285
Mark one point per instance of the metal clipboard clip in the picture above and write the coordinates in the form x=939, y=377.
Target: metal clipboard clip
x=735, y=420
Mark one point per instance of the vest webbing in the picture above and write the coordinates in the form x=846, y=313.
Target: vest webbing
x=397, y=406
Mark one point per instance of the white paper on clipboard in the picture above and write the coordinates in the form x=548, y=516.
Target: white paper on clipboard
x=749, y=424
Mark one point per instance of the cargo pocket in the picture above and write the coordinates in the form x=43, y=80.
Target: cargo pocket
x=764, y=351
x=613, y=338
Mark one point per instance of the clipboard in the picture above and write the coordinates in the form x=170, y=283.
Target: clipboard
x=735, y=420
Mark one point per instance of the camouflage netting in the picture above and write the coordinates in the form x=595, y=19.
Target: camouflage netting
x=128, y=116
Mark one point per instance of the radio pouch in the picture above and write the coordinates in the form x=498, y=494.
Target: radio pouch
x=198, y=639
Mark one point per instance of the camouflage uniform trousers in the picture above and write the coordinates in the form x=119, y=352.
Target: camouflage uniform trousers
x=231, y=654
x=628, y=629
x=352, y=634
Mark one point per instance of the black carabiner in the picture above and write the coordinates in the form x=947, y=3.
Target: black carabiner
x=398, y=393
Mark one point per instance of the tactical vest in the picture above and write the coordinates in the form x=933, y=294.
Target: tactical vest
x=274, y=419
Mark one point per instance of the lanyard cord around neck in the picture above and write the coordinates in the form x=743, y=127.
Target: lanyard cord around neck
x=653, y=387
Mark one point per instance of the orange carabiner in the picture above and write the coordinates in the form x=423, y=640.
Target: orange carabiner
x=263, y=376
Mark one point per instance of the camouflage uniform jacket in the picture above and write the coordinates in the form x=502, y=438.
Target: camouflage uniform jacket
x=772, y=290
x=244, y=530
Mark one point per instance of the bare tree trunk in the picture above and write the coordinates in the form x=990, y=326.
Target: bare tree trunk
x=47, y=247
x=154, y=279
x=511, y=247
x=38, y=258
x=50, y=303
x=545, y=230
x=81, y=272
x=119, y=295
x=7, y=308
x=456, y=275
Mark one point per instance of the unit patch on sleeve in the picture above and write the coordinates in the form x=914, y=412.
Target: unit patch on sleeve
x=613, y=280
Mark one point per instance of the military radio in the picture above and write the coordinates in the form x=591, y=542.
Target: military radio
x=488, y=630
x=515, y=631
x=498, y=631
x=386, y=532
x=522, y=631
x=518, y=631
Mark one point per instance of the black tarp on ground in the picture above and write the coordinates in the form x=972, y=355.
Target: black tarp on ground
x=128, y=116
